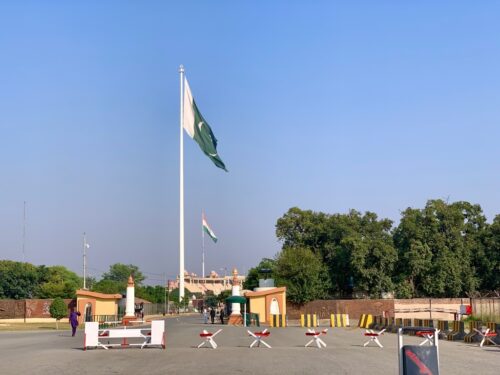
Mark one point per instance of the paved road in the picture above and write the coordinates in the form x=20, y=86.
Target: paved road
x=59, y=353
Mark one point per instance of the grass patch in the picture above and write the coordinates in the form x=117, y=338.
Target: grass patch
x=33, y=326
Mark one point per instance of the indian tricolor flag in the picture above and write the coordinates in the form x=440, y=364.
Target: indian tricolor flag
x=207, y=228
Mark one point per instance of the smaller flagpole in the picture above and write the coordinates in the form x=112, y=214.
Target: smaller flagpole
x=202, y=246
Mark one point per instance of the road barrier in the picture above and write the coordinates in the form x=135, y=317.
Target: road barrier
x=457, y=331
x=472, y=336
x=444, y=329
x=339, y=320
x=397, y=324
x=365, y=321
x=308, y=320
x=278, y=320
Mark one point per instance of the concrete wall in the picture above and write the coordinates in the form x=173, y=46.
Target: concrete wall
x=416, y=308
x=353, y=307
x=428, y=308
x=28, y=308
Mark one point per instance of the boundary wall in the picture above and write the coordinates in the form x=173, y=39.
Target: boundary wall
x=29, y=310
x=416, y=308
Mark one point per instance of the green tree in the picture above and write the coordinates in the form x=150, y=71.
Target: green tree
x=303, y=273
x=183, y=304
x=211, y=301
x=489, y=267
x=121, y=272
x=441, y=248
x=254, y=274
x=372, y=255
x=57, y=281
x=18, y=280
x=223, y=295
x=174, y=294
x=154, y=294
x=352, y=246
x=109, y=287
x=58, y=310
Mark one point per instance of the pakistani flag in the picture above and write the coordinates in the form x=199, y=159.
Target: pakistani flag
x=197, y=128
x=207, y=228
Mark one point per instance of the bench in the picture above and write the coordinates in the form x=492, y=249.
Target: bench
x=154, y=336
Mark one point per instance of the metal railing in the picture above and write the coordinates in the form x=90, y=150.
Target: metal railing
x=105, y=321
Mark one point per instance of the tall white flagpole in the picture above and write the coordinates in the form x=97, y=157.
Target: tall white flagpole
x=202, y=246
x=181, y=188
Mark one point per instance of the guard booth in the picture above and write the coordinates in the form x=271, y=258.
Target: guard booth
x=418, y=359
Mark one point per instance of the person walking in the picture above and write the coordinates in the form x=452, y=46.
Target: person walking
x=221, y=316
x=212, y=315
x=73, y=320
x=205, y=315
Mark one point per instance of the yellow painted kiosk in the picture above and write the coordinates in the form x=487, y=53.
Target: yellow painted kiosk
x=267, y=302
x=94, y=305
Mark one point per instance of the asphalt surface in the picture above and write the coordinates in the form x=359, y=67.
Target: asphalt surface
x=59, y=353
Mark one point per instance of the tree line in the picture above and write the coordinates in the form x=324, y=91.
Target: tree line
x=20, y=280
x=441, y=250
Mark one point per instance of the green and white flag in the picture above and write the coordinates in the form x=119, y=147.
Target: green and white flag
x=197, y=128
x=207, y=228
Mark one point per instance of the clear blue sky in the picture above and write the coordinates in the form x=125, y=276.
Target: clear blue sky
x=324, y=105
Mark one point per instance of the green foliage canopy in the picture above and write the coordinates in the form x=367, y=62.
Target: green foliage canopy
x=254, y=274
x=18, y=280
x=120, y=272
x=57, y=281
x=58, y=309
x=303, y=273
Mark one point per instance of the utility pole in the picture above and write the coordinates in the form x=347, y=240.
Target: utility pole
x=165, y=296
x=85, y=247
x=24, y=232
x=168, y=297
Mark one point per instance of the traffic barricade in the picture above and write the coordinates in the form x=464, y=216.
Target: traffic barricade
x=308, y=320
x=444, y=329
x=316, y=337
x=258, y=336
x=339, y=320
x=457, y=331
x=488, y=336
x=208, y=338
x=278, y=320
x=429, y=335
x=373, y=335
x=365, y=320
x=397, y=324
x=472, y=336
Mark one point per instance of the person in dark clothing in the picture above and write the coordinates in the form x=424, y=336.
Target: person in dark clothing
x=73, y=320
x=221, y=316
x=212, y=315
